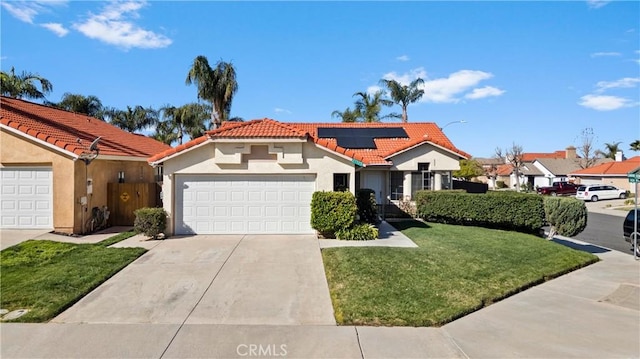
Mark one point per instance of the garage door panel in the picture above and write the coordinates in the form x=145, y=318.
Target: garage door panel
x=245, y=204
x=27, y=198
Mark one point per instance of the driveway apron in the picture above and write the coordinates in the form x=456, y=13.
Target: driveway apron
x=232, y=279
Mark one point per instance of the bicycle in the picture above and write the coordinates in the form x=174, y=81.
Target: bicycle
x=98, y=219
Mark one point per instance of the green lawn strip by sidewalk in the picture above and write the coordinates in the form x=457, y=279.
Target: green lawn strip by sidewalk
x=47, y=277
x=456, y=270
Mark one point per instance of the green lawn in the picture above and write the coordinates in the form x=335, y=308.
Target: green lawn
x=455, y=271
x=47, y=277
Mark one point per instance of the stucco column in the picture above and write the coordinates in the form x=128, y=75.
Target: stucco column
x=437, y=181
x=406, y=185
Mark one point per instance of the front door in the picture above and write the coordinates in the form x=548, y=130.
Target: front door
x=374, y=180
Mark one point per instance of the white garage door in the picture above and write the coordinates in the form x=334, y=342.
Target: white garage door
x=27, y=198
x=208, y=204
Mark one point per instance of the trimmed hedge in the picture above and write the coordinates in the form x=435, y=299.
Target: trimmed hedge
x=359, y=232
x=150, y=221
x=367, y=206
x=567, y=216
x=332, y=211
x=514, y=211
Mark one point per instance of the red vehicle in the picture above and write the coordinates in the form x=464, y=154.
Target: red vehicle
x=559, y=189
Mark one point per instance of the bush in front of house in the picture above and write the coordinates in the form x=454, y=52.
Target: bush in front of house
x=516, y=211
x=150, y=221
x=367, y=206
x=501, y=184
x=332, y=211
x=567, y=216
x=358, y=232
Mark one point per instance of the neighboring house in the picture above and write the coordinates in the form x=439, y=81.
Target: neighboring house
x=610, y=173
x=258, y=176
x=47, y=177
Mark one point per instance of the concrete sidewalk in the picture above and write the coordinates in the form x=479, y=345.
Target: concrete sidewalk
x=593, y=312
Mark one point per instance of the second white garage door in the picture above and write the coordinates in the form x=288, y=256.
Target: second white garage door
x=208, y=204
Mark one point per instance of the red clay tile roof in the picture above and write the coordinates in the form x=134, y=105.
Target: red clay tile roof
x=504, y=170
x=531, y=156
x=74, y=132
x=611, y=168
x=386, y=147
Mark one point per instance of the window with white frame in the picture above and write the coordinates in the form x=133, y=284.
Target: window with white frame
x=396, y=188
x=421, y=179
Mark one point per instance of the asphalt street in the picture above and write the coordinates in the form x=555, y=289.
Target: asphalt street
x=606, y=231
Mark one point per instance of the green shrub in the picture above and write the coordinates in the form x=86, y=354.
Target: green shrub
x=150, y=221
x=367, y=206
x=332, y=211
x=501, y=184
x=567, y=216
x=514, y=211
x=359, y=232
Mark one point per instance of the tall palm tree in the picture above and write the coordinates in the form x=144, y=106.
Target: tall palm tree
x=348, y=115
x=88, y=105
x=610, y=150
x=217, y=85
x=635, y=145
x=369, y=106
x=132, y=119
x=404, y=95
x=23, y=85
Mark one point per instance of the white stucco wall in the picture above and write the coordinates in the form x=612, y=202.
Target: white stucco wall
x=201, y=160
x=440, y=160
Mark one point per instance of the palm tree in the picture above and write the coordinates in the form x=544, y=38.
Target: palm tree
x=635, y=145
x=610, y=150
x=132, y=119
x=218, y=86
x=190, y=119
x=404, y=95
x=23, y=85
x=347, y=115
x=369, y=106
x=88, y=105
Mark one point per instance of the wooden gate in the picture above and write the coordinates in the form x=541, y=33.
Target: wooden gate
x=124, y=198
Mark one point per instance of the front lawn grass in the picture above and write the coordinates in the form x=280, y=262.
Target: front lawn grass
x=47, y=277
x=455, y=270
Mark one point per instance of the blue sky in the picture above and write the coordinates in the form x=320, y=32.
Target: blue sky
x=533, y=73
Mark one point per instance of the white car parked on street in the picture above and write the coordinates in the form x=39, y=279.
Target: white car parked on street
x=595, y=192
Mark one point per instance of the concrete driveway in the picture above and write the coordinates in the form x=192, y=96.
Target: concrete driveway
x=233, y=279
x=11, y=237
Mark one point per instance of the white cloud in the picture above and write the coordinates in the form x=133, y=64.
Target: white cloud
x=281, y=110
x=487, y=91
x=627, y=82
x=114, y=26
x=596, y=4
x=406, y=79
x=605, y=103
x=23, y=11
x=56, y=28
x=602, y=54
x=403, y=58
x=373, y=89
x=447, y=90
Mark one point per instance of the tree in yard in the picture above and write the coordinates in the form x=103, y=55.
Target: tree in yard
x=469, y=169
x=190, y=119
x=588, y=155
x=88, y=105
x=216, y=85
x=24, y=85
x=368, y=106
x=513, y=156
x=404, y=95
x=635, y=145
x=610, y=150
x=132, y=119
x=347, y=115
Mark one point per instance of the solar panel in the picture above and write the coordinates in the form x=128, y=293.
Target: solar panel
x=360, y=138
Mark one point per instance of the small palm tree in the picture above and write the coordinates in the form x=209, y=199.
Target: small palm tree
x=610, y=150
x=88, y=105
x=217, y=86
x=23, y=85
x=404, y=95
x=347, y=115
x=132, y=119
x=190, y=119
x=369, y=106
x=635, y=145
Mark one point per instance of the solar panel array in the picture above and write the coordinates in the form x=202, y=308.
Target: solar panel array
x=360, y=138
